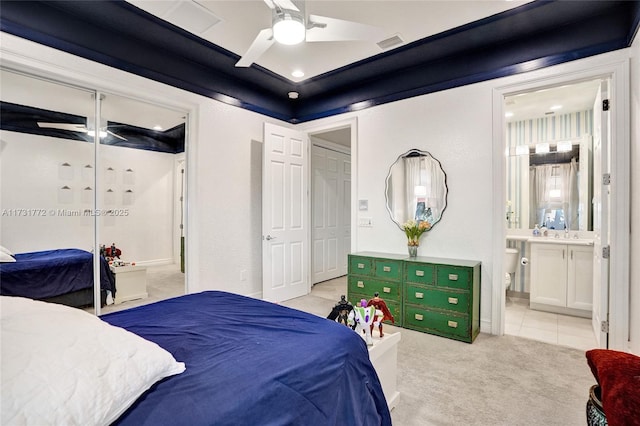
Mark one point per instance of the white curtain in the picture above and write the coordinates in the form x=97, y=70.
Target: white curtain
x=412, y=179
x=546, y=177
x=569, y=179
x=540, y=178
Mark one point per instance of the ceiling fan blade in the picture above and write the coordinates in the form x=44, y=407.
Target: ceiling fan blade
x=322, y=28
x=262, y=42
x=117, y=136
x=283, y=4
x=64, y=126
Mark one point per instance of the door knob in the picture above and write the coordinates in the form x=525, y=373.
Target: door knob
x=269, y=238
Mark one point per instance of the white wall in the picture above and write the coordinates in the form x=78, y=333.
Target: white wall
x=32, y=178
x=224, y=168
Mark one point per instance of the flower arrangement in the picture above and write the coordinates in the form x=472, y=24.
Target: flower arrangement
x=414, y=230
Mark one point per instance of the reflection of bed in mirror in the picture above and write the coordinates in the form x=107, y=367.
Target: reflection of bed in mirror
x=62, y=276
x=416, y=188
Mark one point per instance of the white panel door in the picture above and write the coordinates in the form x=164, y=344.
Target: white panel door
x=601, y=195
x=330, y=201
x=285, y=215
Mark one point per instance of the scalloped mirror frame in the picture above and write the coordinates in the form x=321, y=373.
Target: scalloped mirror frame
x=436, y=181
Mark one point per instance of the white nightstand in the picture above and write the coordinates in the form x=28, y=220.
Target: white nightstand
x=384, y=357
x=131, y=283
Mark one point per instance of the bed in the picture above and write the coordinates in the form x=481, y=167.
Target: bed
x=244, y=362
x=61, y=276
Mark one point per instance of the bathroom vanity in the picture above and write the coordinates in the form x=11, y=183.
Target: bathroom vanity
x=432, y=295
x=562, y=275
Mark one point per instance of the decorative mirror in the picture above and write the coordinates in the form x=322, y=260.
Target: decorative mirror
x=416, y=188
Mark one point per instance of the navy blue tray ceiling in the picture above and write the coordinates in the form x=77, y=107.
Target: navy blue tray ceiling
x=532, y=36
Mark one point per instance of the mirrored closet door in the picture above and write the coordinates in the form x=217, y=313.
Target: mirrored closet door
x=64, y=198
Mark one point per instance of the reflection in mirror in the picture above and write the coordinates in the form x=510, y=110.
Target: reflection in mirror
x=53, y=191
x=416, y=188
x=550, y=157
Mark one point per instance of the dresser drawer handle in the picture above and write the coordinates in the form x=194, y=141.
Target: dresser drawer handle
x=360, y=265
x=453, y=300
x=418, y=317
x=419, y=295
x=386, y=268
x=452, y=324
x=386, y=289
x=360, y=284
x=419, y=273
x=453, y=277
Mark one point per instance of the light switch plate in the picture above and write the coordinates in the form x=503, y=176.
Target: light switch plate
x=365, y=222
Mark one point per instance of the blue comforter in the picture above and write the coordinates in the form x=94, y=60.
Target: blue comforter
x=50, y=273
x=251, y=362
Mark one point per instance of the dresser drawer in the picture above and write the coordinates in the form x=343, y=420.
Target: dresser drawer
x=388, y=269
x=369, y=286
x=420, y=273
x=454, y=277
x=394, y=307
x=437, y=298
x=437, y=322
x=361, y=265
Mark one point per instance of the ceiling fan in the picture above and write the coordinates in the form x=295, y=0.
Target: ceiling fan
x=291, y=27
x=104, y=128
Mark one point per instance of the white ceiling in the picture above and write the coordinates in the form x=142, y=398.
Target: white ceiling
x=233, y=25
x=569, y=98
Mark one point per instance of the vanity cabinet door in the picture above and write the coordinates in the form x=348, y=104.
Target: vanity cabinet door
x=549, y=274
x=580, y=278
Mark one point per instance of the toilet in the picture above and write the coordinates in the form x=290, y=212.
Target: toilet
x=510, y=265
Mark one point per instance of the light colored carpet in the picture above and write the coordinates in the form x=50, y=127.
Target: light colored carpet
x=163, y=282
x=504, y=380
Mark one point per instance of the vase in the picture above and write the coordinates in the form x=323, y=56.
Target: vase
x=413, y=251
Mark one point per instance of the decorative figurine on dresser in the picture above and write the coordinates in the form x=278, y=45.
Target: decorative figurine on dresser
x=364, y=316
x=342, y=313
x=382, y=312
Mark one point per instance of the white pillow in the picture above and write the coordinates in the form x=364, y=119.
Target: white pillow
x=6, y=250
x=6, y=258
x=62, y=365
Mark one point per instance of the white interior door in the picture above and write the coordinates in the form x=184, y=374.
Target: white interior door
x=331, y=198
x=601, y=196
x=285, y=215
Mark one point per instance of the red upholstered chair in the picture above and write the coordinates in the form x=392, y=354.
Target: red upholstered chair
x=618, y=377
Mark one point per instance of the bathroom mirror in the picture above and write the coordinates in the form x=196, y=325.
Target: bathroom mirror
x=416, y=188
x=551, y=142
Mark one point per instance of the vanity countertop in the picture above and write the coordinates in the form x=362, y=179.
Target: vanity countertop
x=560, y=240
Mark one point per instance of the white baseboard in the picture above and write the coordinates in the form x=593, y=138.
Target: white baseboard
x=485, y=326
x=156, y=262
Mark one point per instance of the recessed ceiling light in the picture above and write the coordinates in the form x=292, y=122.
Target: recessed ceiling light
x=297, y=73
x=555, y=107
x=156, y=127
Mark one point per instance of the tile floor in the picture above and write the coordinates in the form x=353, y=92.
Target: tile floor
x=563, y=330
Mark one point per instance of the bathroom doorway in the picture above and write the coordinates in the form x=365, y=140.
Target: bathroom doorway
x=559, y=118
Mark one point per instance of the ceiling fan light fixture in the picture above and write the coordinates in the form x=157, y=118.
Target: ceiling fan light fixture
x=288, y=28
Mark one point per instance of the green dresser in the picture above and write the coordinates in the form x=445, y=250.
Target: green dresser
x=432, y=295
x=371, y=274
